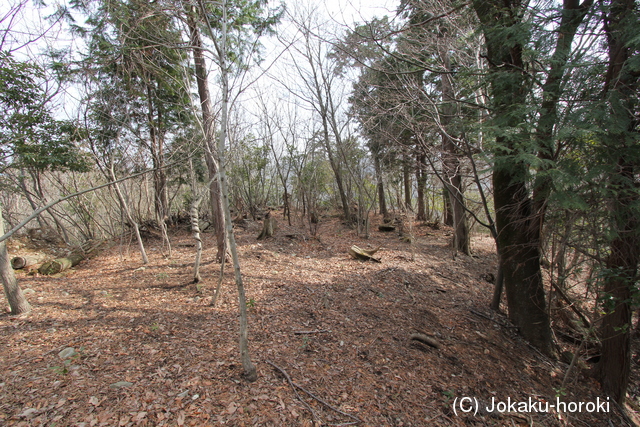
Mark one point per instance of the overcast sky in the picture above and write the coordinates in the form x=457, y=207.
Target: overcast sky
x=349, y=11
x=29, y=22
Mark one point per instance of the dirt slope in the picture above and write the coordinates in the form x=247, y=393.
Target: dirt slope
x=152, y=352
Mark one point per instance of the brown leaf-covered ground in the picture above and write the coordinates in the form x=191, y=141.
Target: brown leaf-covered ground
x=339, y=328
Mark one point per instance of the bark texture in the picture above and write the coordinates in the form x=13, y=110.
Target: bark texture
x=268, y=228
x=215, y=191
x=621, y=86
x=12, y=291
x=518, y=232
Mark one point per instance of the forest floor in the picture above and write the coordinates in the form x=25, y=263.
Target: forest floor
x=151, y=351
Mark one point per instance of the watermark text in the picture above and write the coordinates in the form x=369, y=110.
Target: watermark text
x=471, y=405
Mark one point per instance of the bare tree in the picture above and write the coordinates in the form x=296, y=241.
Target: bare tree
x=273, y=127
x=194, y=20
x=221, y=47
x=319, y=75
x=124, y=205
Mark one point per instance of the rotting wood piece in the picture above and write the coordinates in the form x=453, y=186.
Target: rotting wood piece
x=425, y=339
x=60, y=264
x=362, y=254
x=20, y=262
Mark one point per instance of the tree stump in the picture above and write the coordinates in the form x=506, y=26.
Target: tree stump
x=61, y=264
x=268, y=228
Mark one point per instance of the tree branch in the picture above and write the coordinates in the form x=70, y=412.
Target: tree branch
x=70, y=196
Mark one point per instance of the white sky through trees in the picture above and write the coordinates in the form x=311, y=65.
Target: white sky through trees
x=27, y=29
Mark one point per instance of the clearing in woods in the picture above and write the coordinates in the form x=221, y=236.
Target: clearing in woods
x=331, y=337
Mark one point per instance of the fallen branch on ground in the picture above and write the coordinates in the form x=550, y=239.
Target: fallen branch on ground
x=293, y=386
x=313, y=396
x=425, y=339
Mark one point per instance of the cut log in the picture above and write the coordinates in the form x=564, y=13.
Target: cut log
x=61, y=264
x=365, y=255
x=21, y=262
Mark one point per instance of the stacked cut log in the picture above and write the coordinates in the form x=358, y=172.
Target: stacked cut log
x=20, y=262
x=60, y=264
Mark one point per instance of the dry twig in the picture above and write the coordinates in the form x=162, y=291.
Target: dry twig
x=313, y=396
x=293, y=386
x=484, y=316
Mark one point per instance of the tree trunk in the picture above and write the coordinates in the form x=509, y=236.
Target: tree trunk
x=406, y=180
x=195, y=229
x=421, y=180
x=335, y=167
x=621, y=86
x=12, y=291
x=461, y=241
x=519, y=248
x=156, y=146
x=250, y=372
x=165, y=238
x=447, y=213
x=324, y=106
x=27, y=194
x=125, y=209
x=451, y=160
x=160, y=191
x=615, y=362
x=194, y=213
x=517, y=229
x=287, y=204
x=498, y=286
x=217, y=210
x=380, y=186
